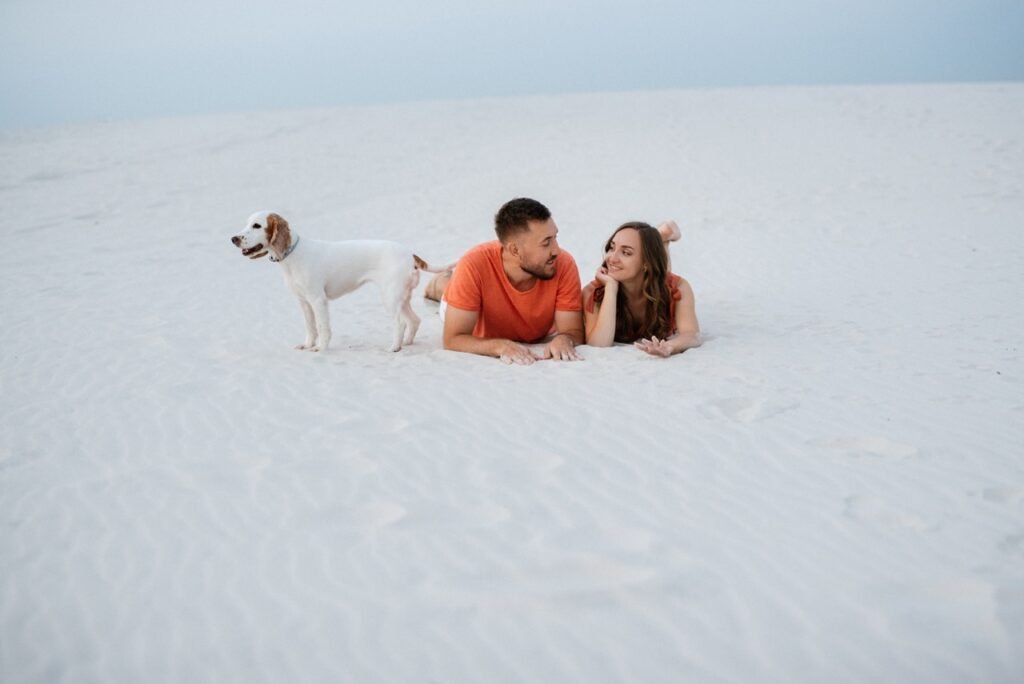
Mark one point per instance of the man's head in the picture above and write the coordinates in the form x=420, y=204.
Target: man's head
x=528, y=233
x=515, y=215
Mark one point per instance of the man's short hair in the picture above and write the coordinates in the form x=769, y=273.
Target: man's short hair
x=514, y=217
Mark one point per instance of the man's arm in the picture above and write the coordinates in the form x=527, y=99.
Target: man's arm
x=569, y=333
x=568, y=314
x=570, y=323
x=458, y=336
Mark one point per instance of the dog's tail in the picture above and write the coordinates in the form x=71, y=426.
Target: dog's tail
x=422, y=265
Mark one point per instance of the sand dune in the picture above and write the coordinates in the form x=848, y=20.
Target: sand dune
x=830, y=489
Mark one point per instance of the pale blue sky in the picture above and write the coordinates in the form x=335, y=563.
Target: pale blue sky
x=84, y=60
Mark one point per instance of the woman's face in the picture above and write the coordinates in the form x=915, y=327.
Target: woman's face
x=624, y=258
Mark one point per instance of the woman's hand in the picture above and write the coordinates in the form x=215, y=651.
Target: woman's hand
x=602, y=277
x=655, y=347
x=665, y=348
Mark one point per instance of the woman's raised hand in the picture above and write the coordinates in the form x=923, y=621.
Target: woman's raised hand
x=602, y=277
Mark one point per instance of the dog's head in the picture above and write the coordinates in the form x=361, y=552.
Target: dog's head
x=264, y=232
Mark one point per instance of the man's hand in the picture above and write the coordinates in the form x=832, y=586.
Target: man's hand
x=513, y=352
x=561, y=348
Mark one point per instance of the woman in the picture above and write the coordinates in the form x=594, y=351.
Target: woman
x=636, y=298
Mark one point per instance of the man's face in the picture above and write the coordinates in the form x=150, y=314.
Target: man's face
x=538, y=249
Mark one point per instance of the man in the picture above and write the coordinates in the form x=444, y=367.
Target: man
x=515, y=291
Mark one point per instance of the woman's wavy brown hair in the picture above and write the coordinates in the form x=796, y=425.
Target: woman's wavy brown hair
x=655, y=321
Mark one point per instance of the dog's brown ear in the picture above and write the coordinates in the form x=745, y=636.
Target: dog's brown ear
x=278, y=234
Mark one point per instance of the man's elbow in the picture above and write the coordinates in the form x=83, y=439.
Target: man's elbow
x=456, y=340
x=575, y=334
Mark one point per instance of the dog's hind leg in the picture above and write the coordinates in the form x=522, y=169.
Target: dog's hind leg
x=400, y=325
x=393, y=305
x=396, y=302
x=412, y=321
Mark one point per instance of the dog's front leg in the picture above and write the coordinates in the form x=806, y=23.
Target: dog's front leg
x=307, y=314
x=323, y=324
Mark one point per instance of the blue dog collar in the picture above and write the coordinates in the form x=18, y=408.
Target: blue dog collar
x=290, y=250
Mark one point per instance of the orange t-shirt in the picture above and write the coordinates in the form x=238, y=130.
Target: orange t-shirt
x=479, y=284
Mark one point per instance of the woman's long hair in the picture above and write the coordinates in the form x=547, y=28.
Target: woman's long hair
x=658, y=299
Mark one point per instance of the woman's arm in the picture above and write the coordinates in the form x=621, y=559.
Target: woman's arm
x=687, y=327
x=599, y=324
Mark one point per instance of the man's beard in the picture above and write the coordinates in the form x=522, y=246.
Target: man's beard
x=536, y=271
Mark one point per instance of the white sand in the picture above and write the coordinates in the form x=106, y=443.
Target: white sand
x=830, y=490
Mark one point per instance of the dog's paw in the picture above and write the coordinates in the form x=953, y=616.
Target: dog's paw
x=395, y=348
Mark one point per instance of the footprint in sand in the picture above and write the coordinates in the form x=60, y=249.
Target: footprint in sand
x=876, y=447
x=744, y=409
x=873, y=510
x=376, y=514
x=1004, y=495
x=1013, y=544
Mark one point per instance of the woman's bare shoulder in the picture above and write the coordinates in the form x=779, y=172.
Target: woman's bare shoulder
x=682, y=286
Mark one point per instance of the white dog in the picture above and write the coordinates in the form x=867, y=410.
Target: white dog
x=318, y=271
